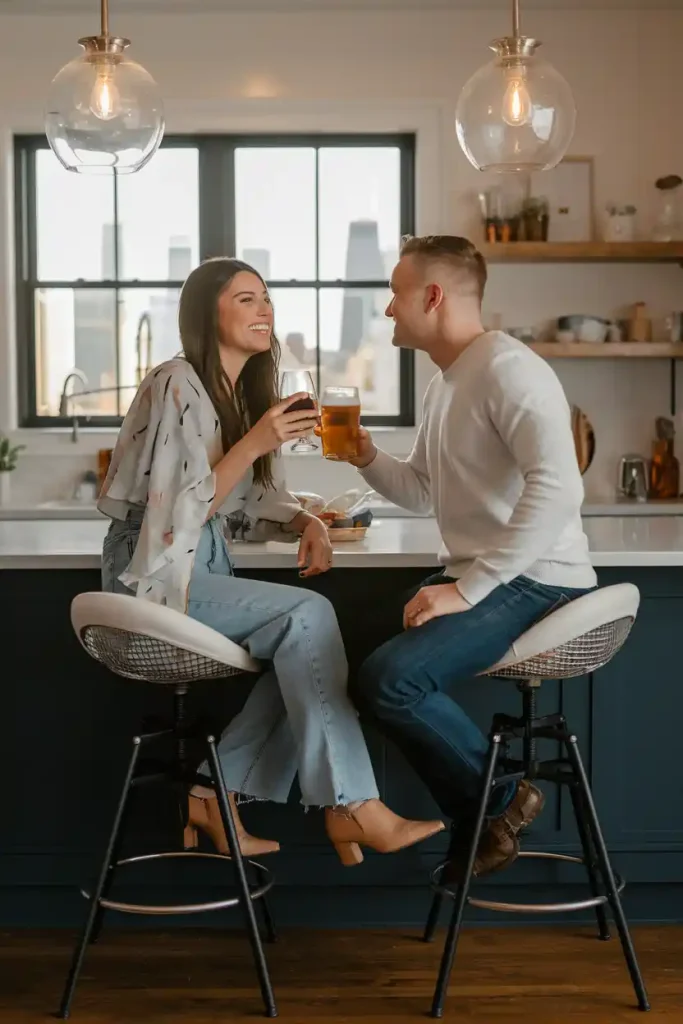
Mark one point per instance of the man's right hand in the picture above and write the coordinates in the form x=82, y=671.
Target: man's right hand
x=366, y=450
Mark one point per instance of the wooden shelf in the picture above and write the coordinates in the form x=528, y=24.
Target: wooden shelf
x=607, y=350
x=584, y=252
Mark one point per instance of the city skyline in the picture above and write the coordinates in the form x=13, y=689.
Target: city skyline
x=150, y=318
x=357, y=236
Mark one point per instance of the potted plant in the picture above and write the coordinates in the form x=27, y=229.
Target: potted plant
x=9, y=456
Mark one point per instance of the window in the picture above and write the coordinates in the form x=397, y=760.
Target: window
x=101, y=260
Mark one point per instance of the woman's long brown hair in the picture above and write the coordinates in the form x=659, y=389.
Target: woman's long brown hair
x=256, y=389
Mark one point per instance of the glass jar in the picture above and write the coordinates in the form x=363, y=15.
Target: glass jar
x=535, y=219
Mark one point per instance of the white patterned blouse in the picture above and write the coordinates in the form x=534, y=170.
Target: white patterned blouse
x=162, y=467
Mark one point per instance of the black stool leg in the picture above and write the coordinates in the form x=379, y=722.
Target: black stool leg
x=268, y=922
x=450, y=948
x=99, y=914
x=433, y=918
x=589, y=859
x=94, y=907
x=607, y=873
x=109, y=880
x=242, y=884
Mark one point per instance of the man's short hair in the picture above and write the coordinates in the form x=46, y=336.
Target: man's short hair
x=457, y=253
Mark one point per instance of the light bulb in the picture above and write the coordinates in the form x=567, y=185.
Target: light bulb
x=517, y=106
x=105, y=101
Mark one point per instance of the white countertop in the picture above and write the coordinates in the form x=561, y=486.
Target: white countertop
x=76, y=544
x=65, y=509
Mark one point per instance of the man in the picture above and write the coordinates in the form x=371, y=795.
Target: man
x=495, y=460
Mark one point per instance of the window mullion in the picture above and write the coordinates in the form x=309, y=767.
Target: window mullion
x=216, y=197
x=117, y=299
x=406, y=356
x=317, y=267
x=26, y=243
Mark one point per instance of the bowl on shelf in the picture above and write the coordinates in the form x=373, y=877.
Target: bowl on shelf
x=525, y=334
x=588, y=329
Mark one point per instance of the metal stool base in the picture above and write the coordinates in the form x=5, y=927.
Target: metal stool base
x=605, y=885
x=529, y=908
x=255, y=892
x=179, y=775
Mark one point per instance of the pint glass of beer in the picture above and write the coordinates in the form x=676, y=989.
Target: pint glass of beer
x=340, y=423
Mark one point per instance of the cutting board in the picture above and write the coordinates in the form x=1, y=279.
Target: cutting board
x=584, y=438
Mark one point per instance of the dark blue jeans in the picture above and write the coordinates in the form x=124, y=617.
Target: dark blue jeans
x=406, y=688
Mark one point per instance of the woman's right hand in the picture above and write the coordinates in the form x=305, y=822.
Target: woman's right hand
x=278, y=425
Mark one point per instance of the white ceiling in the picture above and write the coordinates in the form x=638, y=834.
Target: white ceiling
x=199, y=6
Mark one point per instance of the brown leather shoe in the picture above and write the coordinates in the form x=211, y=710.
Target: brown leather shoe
x=499, y=842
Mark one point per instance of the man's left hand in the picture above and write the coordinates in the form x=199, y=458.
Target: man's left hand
x=431, y=602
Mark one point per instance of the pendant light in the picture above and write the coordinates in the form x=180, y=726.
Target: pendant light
x=516, y=113
x=104, y=113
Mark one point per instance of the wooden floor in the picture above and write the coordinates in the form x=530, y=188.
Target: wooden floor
x=507, y=976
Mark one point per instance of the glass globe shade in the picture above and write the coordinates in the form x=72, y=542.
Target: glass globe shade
x=104, y=114
x=516, y=113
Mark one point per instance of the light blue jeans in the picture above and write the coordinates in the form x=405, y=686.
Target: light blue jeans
x=298, y=716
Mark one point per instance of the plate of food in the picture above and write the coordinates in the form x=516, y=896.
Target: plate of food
x=346, y=518
x=342, y=526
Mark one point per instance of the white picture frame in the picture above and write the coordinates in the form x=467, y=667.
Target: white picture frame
x=570, y=193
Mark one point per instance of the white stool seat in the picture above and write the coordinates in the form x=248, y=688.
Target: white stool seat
x=141, y=640
x=578, y=638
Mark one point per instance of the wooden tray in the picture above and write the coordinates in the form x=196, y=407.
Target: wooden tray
x=348, y=533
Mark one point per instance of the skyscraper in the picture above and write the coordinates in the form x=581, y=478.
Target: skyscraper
x=364, y=262
x=179, y=257
x=259, y=259
x=95, y=325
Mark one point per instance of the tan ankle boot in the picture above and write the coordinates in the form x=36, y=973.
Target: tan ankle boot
x=204, y=814
x=374, y=825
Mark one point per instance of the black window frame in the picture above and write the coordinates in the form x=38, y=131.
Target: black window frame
x=216, y=237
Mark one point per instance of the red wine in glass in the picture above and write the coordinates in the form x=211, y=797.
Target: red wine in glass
x=301, y=405
x=293, y=382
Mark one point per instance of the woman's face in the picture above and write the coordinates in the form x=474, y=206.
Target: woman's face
x=245, y=315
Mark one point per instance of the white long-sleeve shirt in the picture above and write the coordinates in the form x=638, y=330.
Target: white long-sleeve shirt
x=495, y=460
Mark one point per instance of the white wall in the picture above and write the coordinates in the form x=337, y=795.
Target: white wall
x=372, y=71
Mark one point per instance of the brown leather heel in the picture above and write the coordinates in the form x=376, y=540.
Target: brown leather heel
x=373, y=824
x=349, y=854
x=204, y=814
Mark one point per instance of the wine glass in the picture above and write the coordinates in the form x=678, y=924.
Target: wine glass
x=294, y=381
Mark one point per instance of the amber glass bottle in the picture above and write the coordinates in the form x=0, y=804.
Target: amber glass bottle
x=664, y=468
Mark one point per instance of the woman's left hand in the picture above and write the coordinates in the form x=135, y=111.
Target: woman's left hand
x=315, y=550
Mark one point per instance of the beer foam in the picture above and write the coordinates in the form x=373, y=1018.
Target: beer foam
x=333, y=400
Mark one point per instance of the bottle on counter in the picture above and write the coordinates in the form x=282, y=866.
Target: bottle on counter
x=103, y=460
x=664, y=467
x=86, y=488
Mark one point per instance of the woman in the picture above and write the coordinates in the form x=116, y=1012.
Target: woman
x=198, y=453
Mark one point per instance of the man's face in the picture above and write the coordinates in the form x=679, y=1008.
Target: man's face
x=409, y=305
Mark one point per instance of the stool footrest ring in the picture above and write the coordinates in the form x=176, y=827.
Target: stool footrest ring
x=528, y=908
x=255, y=892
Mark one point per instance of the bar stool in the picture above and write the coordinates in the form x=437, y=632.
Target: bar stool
x=154, y=644
x=575, y=640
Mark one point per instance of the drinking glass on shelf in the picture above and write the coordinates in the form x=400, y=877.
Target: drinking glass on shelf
x=292, y=382
x=340, y=423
